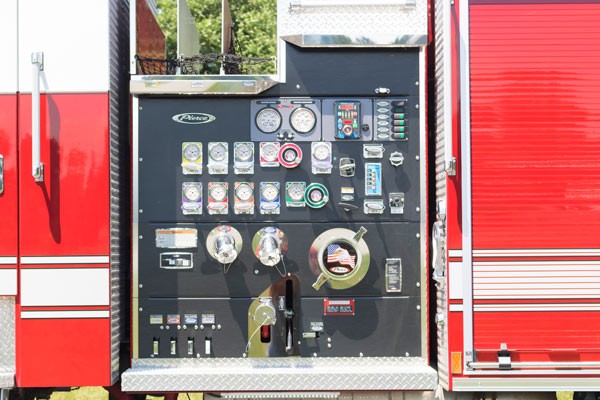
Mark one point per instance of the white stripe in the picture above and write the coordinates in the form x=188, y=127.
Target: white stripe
x=65, y=287
x=8, y=282
x=455, y=280
x=8, y=260
x=536, y=252
x=64, y=314
x=537, y=307
x=455, y=253
x=66, y=260
x=456, y=307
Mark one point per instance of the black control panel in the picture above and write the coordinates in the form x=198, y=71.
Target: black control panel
x=284, y=224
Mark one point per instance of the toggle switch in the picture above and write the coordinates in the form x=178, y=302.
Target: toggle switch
x=173, y=346
x=155, y=346
x=207, y=346
x=347, y=167
x=190, y=346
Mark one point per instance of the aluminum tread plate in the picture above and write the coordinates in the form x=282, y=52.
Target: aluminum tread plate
x=7, y=342
x=280, y=374
x=7, y=379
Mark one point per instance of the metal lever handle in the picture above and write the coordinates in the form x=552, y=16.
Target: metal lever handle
x=37, y=168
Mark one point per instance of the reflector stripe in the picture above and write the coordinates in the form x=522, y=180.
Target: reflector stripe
x=455, y=253
x=456, y=307
x=8, y=260
x=66, y=260
x=63, y=314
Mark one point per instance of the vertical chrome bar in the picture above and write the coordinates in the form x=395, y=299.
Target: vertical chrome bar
x=37, y=168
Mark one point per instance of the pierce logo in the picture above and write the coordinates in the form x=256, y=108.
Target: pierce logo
x=194, y=118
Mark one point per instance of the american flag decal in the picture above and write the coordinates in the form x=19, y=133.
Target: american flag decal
x=337, y=254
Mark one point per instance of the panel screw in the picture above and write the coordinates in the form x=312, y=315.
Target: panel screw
x=418, y=235
x=162, y=327
x=141, y=159
x=360, y=354
x=178, y=327
x=213, y=327
x=151, y=355
x=418, y=209
x=219, y=327
x=140, y=286
x=418, y=284
x=141, y=309
x=417, y=158
x=314, y=354
x=417, y=106
x=141, y=211
x=201, y=327
x=328, y=345
x=167, y=327
x=406, y=354
x=417, y=83
x=244, y=355
x=184, y=327
x=329, y=340
x=140, y=237
x=256, y=272
x=418, y=308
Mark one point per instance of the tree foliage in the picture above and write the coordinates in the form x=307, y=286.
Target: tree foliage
x=255, y=25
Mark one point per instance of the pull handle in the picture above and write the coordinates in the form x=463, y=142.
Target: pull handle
x=37, y=168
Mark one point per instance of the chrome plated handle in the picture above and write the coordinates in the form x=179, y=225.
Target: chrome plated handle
x=37, y=168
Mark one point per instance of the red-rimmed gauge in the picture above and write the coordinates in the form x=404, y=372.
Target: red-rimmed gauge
x=290, y=155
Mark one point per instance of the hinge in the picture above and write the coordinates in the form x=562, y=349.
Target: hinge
x=504, y=361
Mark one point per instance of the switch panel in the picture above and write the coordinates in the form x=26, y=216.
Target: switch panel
x=391, y=119
x=373, y=179
x=347, y=120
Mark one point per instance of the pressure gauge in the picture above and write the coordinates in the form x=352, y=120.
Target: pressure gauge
x=321, y=151
x=218, y=151
x=295, y=191
x=244, y=151
x=192, y=152
x=192, y=192
x=268, y=120
x=303, y=120
x=290, y=155
x=269, y=192
x=244, y=192
x=316, y=195
x=270, y=151
x=218, y=192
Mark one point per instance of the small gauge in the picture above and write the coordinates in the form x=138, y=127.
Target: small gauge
x=321, y=151
x=295, y=191
x=270, y=151
x=290, y=155
x=192, y=151
x=218, y=192
x=303, y=120
x=269, y=192
x=316, y=196
x=192, y=192
x=244, y=151
x=218, y=152
x=268, y=120
x=244, y=191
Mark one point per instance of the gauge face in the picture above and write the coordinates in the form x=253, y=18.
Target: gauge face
x=192, y=192
x=315, y=195
x=303, y=120
x=268, y=120
x=270, y=192
x=290, y=155
x=296, y=191
x=244, y=192
x=192, y=152
x=269, y=152
x=218, y=192
x=218, y=152
x=244, y=151
x=321, y=152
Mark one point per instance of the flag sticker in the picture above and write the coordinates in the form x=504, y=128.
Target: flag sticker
x=340, y=260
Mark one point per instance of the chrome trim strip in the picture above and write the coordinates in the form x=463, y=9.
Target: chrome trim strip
x=341, y=41
x=536, y=253
x=467, y=245
x=8, y=260
x=208, y=84
x=65, y=260
x=448, y=104
x=423, y=193
x=135, y=160
x=132, y=36
x=64, y=314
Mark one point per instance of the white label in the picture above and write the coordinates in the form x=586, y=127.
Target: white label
x=177, y=238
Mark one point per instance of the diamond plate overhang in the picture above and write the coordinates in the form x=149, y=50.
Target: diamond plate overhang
x=280, y=374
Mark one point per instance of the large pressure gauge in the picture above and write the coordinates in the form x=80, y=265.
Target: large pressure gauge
x=268, y=120
x=303, y=120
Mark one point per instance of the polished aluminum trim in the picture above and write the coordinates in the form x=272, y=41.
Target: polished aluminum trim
x=536, y=253
x=202, y=84
x=466, y=200
x=7, y=342
x=65, y=260
x=132, y=36
x=135, y=219
x=448, y=73
x=424, y=201
x=514, y=384
x=8, y=260
x=298, y=5
x=368, y=40
x=538, y=365
x=37, y=168
x=65, y=314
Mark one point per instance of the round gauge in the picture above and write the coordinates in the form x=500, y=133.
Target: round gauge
x=218, y=192
x=321, y=151
x=316, y=195
x=269, y=151
x=244, y=192
x=303, y=120
x=269, y=192
x=268, y=120
x=244, y=151
x=192, y=192
x=290, y=155
x=192, y=152
x=218, y=152
x=296, y=191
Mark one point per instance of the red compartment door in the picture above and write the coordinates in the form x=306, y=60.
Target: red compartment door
x=535, y=137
